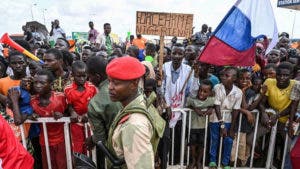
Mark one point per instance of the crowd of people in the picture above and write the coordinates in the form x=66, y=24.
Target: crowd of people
x=118, y=89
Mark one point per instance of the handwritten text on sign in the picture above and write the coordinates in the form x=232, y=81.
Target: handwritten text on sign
x=164, y=24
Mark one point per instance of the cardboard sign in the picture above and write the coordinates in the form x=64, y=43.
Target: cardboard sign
x=164, y=24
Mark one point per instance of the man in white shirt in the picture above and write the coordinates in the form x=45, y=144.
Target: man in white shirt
x=57, y=31
x=175, y=87
x=105, y=39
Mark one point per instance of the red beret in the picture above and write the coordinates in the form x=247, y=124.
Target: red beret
x=125, y=68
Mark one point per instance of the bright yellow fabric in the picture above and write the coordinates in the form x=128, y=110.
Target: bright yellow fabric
x=279, y=99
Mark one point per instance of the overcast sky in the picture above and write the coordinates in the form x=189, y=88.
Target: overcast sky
x=74, y=15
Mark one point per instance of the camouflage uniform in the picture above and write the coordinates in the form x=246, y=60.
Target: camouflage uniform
x=135, y=133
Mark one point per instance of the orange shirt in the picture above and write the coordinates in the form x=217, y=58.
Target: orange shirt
x=140, y=43
x=6, y=83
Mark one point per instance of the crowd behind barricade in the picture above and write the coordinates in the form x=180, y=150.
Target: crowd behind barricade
x=75, y=84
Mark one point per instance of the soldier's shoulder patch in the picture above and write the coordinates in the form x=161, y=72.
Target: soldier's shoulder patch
x=124, y=119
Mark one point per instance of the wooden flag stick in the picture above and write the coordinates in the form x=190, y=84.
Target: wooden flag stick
x=161, y=58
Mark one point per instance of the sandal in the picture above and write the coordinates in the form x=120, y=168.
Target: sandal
x=213, y=165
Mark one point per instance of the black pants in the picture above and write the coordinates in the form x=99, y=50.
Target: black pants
x=164, y=147
x=100, y=159
x=177, y=142
x=37, y=153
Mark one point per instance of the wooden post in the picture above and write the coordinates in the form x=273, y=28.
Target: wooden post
x=161, y=57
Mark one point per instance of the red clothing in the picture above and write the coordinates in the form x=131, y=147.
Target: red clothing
x=80, y=99
x=55, y=130
x=78, y=138
x=57, y=156
x=12, y=153
x=295, y=155
x=116, y=68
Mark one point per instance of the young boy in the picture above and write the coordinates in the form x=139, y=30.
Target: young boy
x=270, y=71
x=19, y=107
x=202, y=106
x=78, y=95
x=48, y=103
x=228, y=99
x=19, y=100
x=247, y=121
x=21, y=110
x=254, y=96
x=149, y=91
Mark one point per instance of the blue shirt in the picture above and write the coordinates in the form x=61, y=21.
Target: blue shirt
x=25, y=108
x=175, y=74
x=24, y=101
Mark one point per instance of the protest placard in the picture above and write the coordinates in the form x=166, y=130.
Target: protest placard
x=164, y=24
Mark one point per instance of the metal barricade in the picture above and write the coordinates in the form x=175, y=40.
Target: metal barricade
x=184, y=151
x=67, y=134
x=254, y=137
x=183, y=131
x=269, y=162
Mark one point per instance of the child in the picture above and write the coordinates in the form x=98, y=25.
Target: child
x=247, y=121
x=48, y=103
x=20, y=109
x=78, y=95
x=149, y=92
x=270, y=71
x=228, y=99
x=19, y=99
x=161, y=157
x=202, y=106
x=253, y=101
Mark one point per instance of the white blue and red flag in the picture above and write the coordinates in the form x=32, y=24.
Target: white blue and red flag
x=233, y=41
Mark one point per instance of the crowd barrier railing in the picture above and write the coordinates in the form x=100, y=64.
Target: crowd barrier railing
x=186, y=128
x=184, y=150
x=67, y=135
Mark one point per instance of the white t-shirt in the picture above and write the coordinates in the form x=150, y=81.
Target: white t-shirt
x=57, y=33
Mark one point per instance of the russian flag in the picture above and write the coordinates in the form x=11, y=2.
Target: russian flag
x=233, y=41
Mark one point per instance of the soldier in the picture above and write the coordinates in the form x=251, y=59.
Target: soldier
x=101, y=110
x=137, y=128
